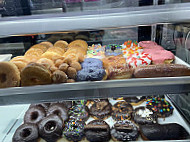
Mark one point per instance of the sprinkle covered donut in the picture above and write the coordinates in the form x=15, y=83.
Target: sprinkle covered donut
x=139, y=59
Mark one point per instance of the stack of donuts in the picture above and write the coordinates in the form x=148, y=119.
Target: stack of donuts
x=100, y=120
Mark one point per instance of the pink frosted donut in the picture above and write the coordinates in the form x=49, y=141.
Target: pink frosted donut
x=154, y=47
x=147, y=43
x=139, y=59
x=160, y=56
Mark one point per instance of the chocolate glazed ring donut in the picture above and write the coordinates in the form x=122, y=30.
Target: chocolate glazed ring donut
x=97, y=131
x=26, y=133
x=60, y=110
x=135, y=101
x=50, y=128
x=44, y=105
x=101, y=110
x=124, y=130
x=34, y=115
x=122, y=110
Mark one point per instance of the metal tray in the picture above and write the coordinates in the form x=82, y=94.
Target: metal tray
x=96, y=89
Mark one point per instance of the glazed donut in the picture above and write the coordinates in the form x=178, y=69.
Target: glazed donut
x=74, y=130
x=39, y=46
x=61, y=44
x=121, y=111
x=139, y=59
x=80, y=43
x=34, y=52
x=147, y=43
x=124, y=130
x=92, y=62
x=47, y=44
x=97, y=131
x=51, y=55
x=9, y=75
x=57, y=50
x=20, y=58
x=60, y=110
x=76, y=65
x=73, y=57
x=34, y=115
x=20, y=65
x=71, y=72
x=35, y=74
x=59, y=77
x=26, y=133
x=51, y=128
x=45, y=62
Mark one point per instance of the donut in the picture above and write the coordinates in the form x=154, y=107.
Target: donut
x=139, y=59
x=143, y=116
x=122, y=110
x=26, y=133
x=147, y=43
x=58, y=62
x=63, y=67
x=45, y=62
x=51, y=128
x=57, y=50
x=20, y=58
x=161, y=56
x=45, y=106
x=127, y=53
x=76, y=65
x=59, y=77
x=67, y=104
x=61, y=44
x=47, y=44
x=101, y=110
x=124, y=130
x=20, y=65
x=92, y=62
x=113, y=50
x=79, y=112
x=34, y=53
x=58, y=109
x=74, y=130
x=53, y=69
x=91, y=74
x=95, y=51
x=34, y=114
x=9, y=75
x=35, y=74
x=154, y=47
x=80, y=43
x=39, y=46
x=97, y=131
x=51, y=55
x=71, y=73
x=135, y=101
x=160, y=106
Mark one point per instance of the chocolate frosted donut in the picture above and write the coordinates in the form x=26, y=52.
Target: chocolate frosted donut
x=74, y=130
x=122, y=110
x=34, y=114
x=50, y=128
x=44, y=105
x=97, y=131
x=124, y=131
x=135, y=100
x=26, y=133
x=67, y=104
x=143, y=116
x=160, y=106
x=101, y=110
x=60, y=110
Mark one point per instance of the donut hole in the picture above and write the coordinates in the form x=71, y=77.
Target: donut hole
x=3, y=78
x=50, y=126
x=26, y=132
x=34, y=115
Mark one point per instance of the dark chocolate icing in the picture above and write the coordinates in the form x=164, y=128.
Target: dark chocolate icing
x=134, y=99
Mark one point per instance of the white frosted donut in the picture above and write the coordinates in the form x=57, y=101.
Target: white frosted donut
x=139, y=59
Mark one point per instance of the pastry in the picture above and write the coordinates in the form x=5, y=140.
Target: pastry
x=67, y=104
x=34, y=114
x=135, y=101
x=79, y=43
x=35, y=74
x=45, y=106
x=101, y=110
x=76, y=65
x=121, y=111
x=92, y=63
x=47, y=44
x=9, y=75
x=96, y=51
x=33, y=54
x=20, y=65
x=147, y=43
x=113, y=50
x=74, y=130
x=57, y=50
x=51, y=55
x=39, y=46
x=61, y=44
x=144, y=116
x=26, y=133
x=160, y=106
x=162, y=70
x=51, y=128
x=45, y=62
x=124, y=130
x=71, y=73
x=139, y=59
x=97, y=131
x=70, y=80
x=60, y=110
x=20, y=58
x=58, y=62
x=63, y=67
x=59, y=77
x=172, y=131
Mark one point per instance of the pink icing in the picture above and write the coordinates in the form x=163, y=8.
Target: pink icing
x=159, y=56
x=156, y=47
x=147, y=43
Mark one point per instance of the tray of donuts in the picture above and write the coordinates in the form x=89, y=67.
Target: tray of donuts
x=121, y=119
x=47, y=63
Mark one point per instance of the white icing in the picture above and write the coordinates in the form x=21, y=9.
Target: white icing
x=144, y=113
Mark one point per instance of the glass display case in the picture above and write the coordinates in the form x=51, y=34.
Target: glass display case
x=69, y=70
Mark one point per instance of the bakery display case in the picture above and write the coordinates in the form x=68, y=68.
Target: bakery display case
x=94, y=70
